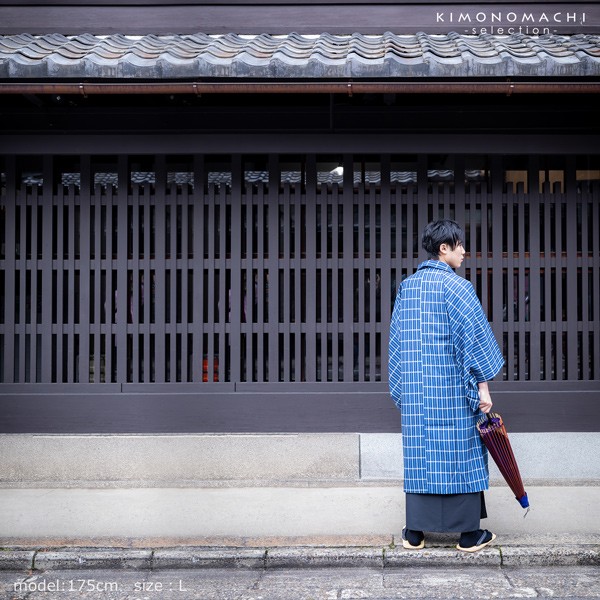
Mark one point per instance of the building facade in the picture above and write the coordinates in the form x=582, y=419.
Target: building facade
x=205, y=216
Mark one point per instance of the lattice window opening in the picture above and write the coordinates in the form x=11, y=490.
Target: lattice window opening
x=553, y=351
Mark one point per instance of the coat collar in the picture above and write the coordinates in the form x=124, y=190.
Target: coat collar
x=435, y=264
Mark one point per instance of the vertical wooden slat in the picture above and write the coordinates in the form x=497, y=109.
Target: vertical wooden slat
x=484, y=260
x=33, y=280
x=572, y=199
x=139, y=325
x=151, y=289
x=248, y=204
x=262, y=266
x=584, y=300
x=273, y=269
x=99, y=330
x=460, y=209
x=198, y=198
x=69, y=326
x=549, y=202
x=595, y=263
x=535, y=362
x=387, y=261
x=61, y=301
x=336, y=286
x=224, y=199
x=25, y=322
x=363, y=264
x=47, y=269
x=347, y=266
x=108, y=199
x=517, y=252
x=120, y=327
x=374, y=286
x=29, y=298
x=289, y=268
x=325, y=204
x=248, y=271
x=436, y=193
x=311, y=268
x=497, y=199
x=160, y=263
x=10, y=203
x=404, y=224
x=220, y=273
x=186, y=330
x=512, y=350
x=424, y=201
x=176, y=283
x=172, y=266
x=558, y=325
x=284, y=267
x=465, y=216
x=209, y=284
x=20, y=284
x=297, y=209
x=398, y=202
x=333, y=349
x=85, y=363
x=359, y=273
x=235, y=291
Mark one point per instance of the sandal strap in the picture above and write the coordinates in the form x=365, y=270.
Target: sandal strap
x=482, y=538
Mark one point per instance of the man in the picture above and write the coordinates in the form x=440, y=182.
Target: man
x=442, y=353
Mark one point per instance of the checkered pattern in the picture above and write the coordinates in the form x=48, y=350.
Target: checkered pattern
x=441, y=346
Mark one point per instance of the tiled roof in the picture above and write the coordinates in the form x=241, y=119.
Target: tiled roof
x=295, y=56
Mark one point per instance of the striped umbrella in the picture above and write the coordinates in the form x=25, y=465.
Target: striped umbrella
x=493, y=433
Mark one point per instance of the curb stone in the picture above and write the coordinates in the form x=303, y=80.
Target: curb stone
x=18, y=559
x=88, y=558
x=209, y=558
x=534, y=556
x=324, y=557
x=442, y=557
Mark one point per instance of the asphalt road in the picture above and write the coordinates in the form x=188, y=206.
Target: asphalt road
x=304, y=584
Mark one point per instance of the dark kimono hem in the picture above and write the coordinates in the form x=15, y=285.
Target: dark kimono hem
x=445, y=513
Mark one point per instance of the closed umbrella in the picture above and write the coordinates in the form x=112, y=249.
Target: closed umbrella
x=493, y=434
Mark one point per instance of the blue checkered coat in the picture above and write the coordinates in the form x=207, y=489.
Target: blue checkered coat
x=441, y=346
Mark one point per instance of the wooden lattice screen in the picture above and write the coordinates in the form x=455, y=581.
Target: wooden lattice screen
x=283, y=269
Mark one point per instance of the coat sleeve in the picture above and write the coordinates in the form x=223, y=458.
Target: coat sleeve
x=394, y=354
x=476, y=350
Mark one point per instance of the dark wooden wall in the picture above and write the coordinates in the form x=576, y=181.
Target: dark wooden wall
x=275, y=16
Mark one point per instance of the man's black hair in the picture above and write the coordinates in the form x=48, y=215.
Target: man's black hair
x=441, y=232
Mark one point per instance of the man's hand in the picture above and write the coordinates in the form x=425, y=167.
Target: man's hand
x=485, y=400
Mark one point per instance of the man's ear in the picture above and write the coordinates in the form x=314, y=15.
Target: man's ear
x=443, y=248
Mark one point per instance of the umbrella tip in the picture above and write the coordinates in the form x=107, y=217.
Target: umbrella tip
x=524, y=501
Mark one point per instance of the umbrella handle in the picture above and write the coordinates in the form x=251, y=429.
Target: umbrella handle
x=488, y=416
